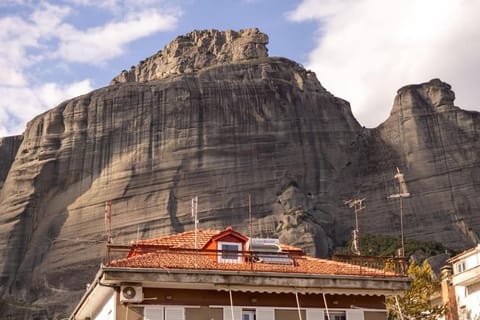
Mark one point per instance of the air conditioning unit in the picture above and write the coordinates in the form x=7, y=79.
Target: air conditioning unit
x=131, y=294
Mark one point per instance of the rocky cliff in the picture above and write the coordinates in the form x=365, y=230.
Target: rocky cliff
x=211, y=115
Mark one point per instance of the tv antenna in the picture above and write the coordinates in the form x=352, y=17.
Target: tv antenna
x=357, y=204
x=108, y=220
x=402, y=193
x=108, y=226
x=250, y=215
x=195, y=218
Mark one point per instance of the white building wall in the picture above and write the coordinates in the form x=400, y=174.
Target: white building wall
x=472, y=261
x=468, y=301
x=467, y=289
x=108, y=310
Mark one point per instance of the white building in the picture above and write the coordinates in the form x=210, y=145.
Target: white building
x=466, y=280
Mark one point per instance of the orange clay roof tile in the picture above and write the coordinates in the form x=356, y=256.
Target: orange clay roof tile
x=181, y=240
x=178, y=259
x=177, y=252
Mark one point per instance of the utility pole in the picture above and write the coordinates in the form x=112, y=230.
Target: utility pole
x=357, y=204
x=402, y=193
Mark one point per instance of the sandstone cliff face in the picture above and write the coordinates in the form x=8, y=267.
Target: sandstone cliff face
x=437, y=146
x=8, y=150
x=212, y=116
x=198, y=50
x=262, y=126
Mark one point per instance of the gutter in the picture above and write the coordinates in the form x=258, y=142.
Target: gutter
x=256, y=274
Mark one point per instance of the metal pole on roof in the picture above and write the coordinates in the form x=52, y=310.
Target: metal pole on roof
x=195, y=220
x=402, y=193
x=250, y=215
x=108, y=220
x=399, y=309
x=298, y=306
x=108, y=226
x=231, y=303
x=357, y=204
x=326, y=306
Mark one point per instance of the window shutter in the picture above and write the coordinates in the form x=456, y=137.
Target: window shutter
x=315, y=314
x=174, y=313
x=265, y=314
x=152, y=313
x=354, y=314
x=227, y=313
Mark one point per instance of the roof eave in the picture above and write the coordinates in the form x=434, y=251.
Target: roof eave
x=255, y=281
x=95, y=291
x=464, y=254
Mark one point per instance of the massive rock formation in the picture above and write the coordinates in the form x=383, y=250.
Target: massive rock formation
x=438, y=144
x=198, y=50
x=212, y=116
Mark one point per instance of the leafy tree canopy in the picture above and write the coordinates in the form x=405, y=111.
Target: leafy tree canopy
x=415, y=303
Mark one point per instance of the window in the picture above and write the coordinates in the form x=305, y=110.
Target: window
x=473, y=288
x=155, y=312
x=229, y=252
x=248, y=314
x=336, y=315
x=460, y=266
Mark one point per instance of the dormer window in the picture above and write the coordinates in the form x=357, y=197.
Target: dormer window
x=230, y=252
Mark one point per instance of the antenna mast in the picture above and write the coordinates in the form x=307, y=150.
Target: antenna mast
x=250, y=214
x=402, y=193
x=108, y=220
x=357, y=204
x=108, y=226
x=195, y=218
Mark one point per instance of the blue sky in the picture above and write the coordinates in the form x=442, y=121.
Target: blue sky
x=361, y=50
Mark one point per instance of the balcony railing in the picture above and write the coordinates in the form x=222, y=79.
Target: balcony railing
x=388, y=264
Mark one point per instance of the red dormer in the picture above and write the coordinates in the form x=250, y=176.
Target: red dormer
x=230, y=244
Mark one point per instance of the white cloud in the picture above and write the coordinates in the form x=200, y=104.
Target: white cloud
x=38, y=38
x=51, y=94
x=20, y=104
x=122, y=7
x=367, y=49
x=96, y=45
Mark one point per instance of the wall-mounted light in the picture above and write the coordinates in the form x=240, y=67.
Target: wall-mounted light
x=253, y=300
x=168, y=297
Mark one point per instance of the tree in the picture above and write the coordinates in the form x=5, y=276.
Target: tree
x=415, y=303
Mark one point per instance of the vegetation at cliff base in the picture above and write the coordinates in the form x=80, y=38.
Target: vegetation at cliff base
x=386, y=246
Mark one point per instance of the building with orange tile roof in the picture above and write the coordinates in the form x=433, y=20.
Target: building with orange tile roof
x=224, y=275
